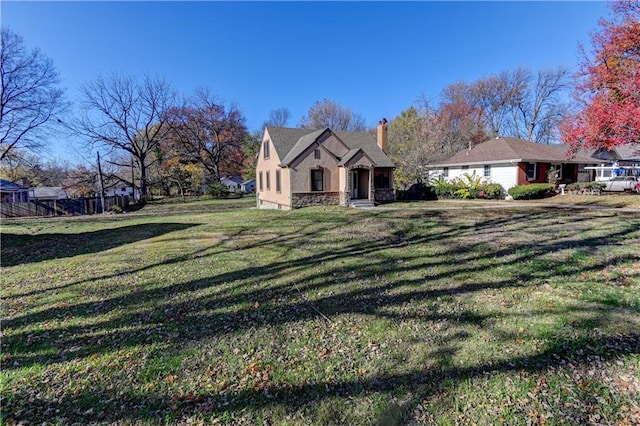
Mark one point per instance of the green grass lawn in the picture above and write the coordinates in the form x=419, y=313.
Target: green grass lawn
x=215, y=312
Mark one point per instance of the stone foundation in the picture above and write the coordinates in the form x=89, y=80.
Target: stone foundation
x=384, y=195
x=304, y=199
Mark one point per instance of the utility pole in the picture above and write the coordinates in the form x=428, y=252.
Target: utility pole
x=101, y=183
x=133, y=181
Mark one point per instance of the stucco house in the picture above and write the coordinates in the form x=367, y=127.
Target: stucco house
x=512, y=161
x=303, y=167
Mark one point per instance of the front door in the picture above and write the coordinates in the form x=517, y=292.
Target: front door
x=359, y=184
x=355, y=184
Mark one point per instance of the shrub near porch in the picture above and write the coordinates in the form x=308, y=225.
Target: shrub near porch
x=468, y=186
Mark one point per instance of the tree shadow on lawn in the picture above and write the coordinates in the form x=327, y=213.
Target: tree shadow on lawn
x=286, y=302
x=108, y=406
x=288, y=291
x=18, y=249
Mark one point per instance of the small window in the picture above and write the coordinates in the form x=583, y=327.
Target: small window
x=532, y=171
x=445, y=172
x=278, y=184
x=317, y=180
x=260, y=183
x=465, y=167
x=268, y=182
x=487, y=170
x=381, y=179
x=316, y=154
x=266, y=149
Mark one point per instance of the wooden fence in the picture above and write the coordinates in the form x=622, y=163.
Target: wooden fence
x=69, y=206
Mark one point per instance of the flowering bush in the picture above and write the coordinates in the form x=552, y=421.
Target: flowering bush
x=468, y=186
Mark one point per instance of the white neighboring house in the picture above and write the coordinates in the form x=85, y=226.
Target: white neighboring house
x=512, y=161
x=119, y=191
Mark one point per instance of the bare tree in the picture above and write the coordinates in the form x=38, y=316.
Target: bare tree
x=278, y=117
x=520, y=104
x=330, y=114
x=205, y=131
x=30, y=99
x=121, y=113
x=544, y=109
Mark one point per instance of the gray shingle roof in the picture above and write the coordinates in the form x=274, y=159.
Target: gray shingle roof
x=628, y=152
x=505, y=149
x=290, y=143
x=284, y=138
x=302, y=143
x=368, y=143
x=49, y=192
x=7, y=186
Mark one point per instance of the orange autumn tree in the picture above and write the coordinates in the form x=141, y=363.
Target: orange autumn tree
x=206, y=132
x=608, y=86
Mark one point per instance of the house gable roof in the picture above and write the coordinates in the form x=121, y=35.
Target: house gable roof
x=301, y=145
x=49, y=192
x=291, y=143
x=629, y=152
x=7, y=186
x=368, y=144
x=507, y=149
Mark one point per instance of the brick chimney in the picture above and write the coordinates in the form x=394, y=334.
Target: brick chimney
x=382, y=135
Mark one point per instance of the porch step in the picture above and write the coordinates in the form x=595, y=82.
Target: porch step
x=361, y=204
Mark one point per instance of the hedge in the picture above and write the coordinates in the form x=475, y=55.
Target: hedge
x=531, y=191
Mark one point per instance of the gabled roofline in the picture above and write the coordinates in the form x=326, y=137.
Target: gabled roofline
x=352, y=153
x=305, y=142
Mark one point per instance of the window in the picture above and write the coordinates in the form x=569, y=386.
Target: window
x=532, y=171
x=465, y=167
x=260, y=179
x=445, y=172
x=317, y=180
x=487, y=170
x=278, y=185
x=265, y=148
x=316, y=154
x=381, y=179
x=268, y=182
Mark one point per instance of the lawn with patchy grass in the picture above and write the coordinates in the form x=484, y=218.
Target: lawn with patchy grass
x=216, y=312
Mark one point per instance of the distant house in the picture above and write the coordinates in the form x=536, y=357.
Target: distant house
x=625, y=155
x=11, y=192
x=511, y=162
x=121, y=190
x=249, y=186
x=302, y=167
x=234, y=183
x=621, y=160
x=43, y=193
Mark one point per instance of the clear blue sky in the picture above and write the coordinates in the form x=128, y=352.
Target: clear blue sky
x=374, y=57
